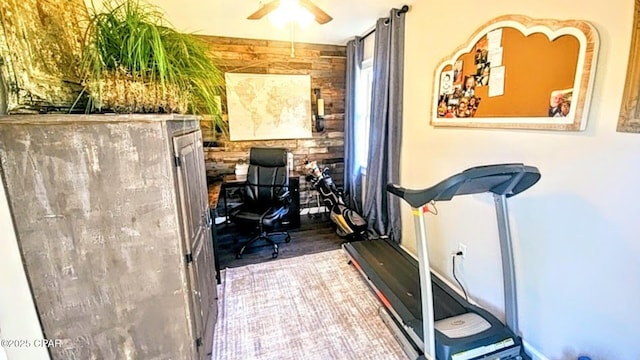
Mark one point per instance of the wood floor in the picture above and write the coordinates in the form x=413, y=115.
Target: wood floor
x=316, y=234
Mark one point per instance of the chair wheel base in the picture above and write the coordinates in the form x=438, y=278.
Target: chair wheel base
x=264, y=236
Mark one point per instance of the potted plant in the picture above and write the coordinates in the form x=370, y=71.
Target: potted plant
x=135, y=62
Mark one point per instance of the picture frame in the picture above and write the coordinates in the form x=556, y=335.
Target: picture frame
x=629, y=119
x=510, y=68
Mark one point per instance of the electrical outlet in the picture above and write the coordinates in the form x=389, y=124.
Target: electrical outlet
x=463, y=249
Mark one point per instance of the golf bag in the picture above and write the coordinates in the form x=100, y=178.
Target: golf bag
x=349, y=224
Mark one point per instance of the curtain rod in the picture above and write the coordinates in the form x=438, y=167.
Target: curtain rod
x=403, y=9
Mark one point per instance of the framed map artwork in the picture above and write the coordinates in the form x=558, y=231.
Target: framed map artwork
x=268, y=106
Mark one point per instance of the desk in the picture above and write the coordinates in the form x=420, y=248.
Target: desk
x=214, y=194
x=230, y=182
x=294, y=208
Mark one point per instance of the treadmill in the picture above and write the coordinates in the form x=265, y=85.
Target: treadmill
x=429, y=319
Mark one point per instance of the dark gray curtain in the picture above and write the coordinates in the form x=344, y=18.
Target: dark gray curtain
x=381, y=209
x=352, y=176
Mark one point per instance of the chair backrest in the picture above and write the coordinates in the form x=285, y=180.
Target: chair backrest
x=267, y=176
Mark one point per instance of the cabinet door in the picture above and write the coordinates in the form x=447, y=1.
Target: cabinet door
x=198, y=246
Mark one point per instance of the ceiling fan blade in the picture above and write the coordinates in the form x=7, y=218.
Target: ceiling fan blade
x=267, y=8
x=321, y=16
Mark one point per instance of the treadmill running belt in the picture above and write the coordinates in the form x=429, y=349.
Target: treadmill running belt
x=393, y=271
x=396, y=275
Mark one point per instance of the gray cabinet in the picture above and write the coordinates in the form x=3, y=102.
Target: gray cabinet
x=112, y=221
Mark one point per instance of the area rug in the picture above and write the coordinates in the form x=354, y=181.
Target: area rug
x=309, y=307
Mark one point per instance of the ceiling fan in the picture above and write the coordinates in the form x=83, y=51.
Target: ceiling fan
x=319, y=15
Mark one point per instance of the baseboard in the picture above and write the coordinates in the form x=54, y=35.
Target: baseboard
x=314, y=210
x=533, y=352
x=306, y=211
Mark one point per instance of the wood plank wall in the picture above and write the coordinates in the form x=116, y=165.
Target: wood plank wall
x=326, y=66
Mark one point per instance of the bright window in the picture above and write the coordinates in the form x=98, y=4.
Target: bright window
x=363, y=112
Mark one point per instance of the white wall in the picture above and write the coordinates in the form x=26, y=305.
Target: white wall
x=575, y=231
x=18, y=318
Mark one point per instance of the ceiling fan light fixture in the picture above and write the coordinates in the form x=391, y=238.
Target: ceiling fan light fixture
x=290, y=11
x=304, y=18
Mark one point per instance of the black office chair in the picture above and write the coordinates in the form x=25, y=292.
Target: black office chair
x=265, y=197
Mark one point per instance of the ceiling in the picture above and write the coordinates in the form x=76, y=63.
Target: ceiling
x=229, y=18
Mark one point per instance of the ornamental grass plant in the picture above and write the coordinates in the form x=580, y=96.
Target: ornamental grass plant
x=135, y=62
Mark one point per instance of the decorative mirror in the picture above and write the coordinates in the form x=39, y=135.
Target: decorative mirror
x=518, y=72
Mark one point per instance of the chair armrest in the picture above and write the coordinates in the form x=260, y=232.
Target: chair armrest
x=284, y=196
x=281, y=197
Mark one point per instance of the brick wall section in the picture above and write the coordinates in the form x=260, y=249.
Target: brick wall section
x=326, y=66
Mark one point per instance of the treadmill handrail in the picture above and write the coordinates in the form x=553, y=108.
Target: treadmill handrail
x=500, y=179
